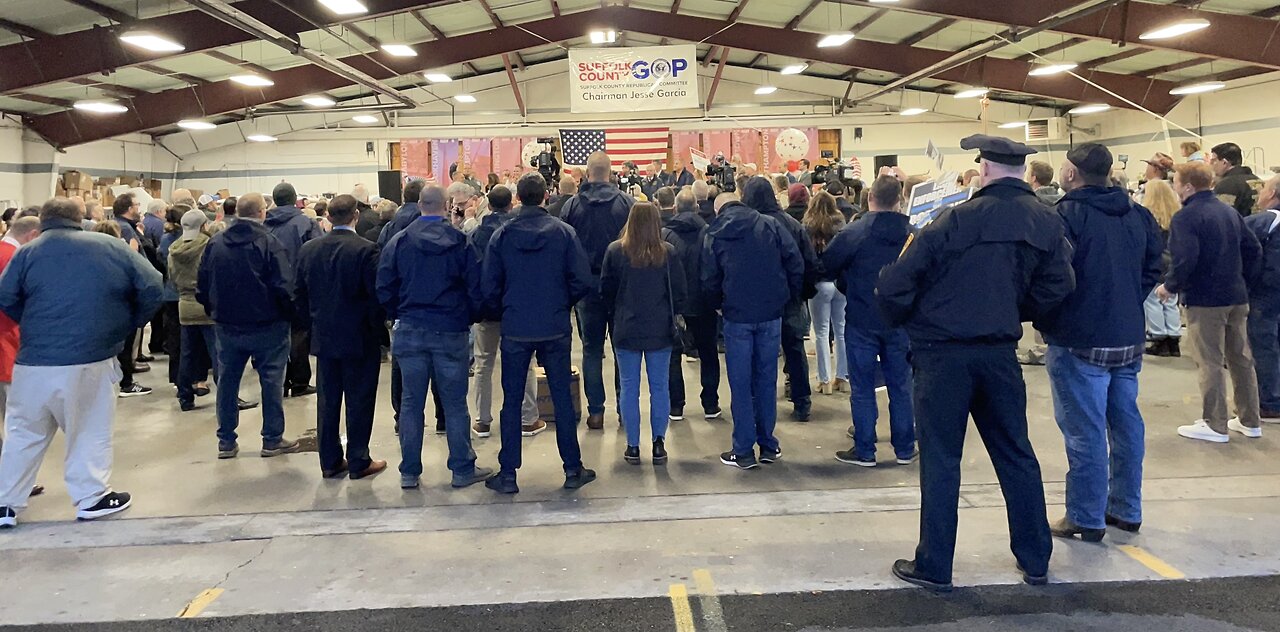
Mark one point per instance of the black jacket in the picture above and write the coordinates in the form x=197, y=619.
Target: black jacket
x=751, y=266
x=758, y=194
x=335, y=294
x=846, y=209
x=428, y=278
x=292, y=229
x=403, y=218
x=1214, y=255
x=556, y=207
x=534, y=272
x=688, y=233
x=796, y=212
x=640, y=305
x=245, y=277
x=478, y=244
x=979, y=270
x=1117, y=252
x=707, y=210
x=1264, y=293
x=1239, y=188
x=368, y=218
x=597, y=213
x=855, y=258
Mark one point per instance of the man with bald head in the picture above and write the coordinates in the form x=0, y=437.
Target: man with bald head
x=245, y=283
x=598, y=212
x=429, y=285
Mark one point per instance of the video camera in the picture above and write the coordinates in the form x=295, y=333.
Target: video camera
x=721, y=174
x=546, y=164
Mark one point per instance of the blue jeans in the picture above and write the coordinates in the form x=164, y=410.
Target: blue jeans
x=199, y=350
x=427, y=356
x=555, y=358
x=268, y=346
x=1264, y=339
x=795, y=324
x=827, y=310
x=1097, y=408
x=1163, y=318
x=891, y=346
x=593, y=326
x=751, y=360
x=657, y=367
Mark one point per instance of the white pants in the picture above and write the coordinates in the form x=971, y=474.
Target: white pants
x=81, y=401
x=488, y=337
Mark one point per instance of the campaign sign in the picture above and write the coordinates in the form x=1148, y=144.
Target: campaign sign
x=633, y=79
x=930, y=198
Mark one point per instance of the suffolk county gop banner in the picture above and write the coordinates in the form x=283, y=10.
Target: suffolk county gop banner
x=633, y=79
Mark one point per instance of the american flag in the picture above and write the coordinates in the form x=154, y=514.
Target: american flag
x=640, y=145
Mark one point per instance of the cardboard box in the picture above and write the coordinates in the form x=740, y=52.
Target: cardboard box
x=77, y=180
x=224, y=194
x=129, y=181
x=546, y=410
x=196, y=193
x=59, y=190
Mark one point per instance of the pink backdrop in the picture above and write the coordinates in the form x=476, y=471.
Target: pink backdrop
x=506, y=154
x=478, y=153
x=443, y=153
x=746, y=145
x=720, y=141
x=415, y=158
x=682, y=141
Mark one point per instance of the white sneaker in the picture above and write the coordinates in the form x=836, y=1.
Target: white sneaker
x=1252, y=433
x=1201, y=430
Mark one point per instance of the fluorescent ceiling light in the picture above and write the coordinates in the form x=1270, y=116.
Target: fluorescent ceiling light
x=365, y=118
x=882, y=1
x=1092, y=108
x=100, y=107
x=152, y=42
x=1052, y=69
x=400, y=50
x=345, y=7
x=196, y=125
x=260, y=138
x=257, y=81
x=913, y=111
x=464, y=98
x=969, y=93
x=319, y=101
x=1181, y=27
x=1197, y=88
x=1013, y=125
x=603, y=37
x=438, y=77
x=835, y=39
x=766, y=89
x=794, y=69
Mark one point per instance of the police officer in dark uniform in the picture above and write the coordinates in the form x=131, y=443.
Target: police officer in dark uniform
x=962, y=288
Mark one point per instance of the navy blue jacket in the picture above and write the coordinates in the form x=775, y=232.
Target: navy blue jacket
x=681, y=180
x=688, y=233
x=1116, y=261
x=751, y=267
x=80, y=312
x=707, y=210
x=846, y=209
x=535, y=270
x=245, y=278
x=855, y=258
x=403, y=218
x=1214, y=255
x=478, y=243
x=428, y=278
x=978, y=271
x=640, y=305
x=1264, y=293
x=153, y=228
x=288, y=225
x=335, y=294
x=758, y=194
x=597, y=213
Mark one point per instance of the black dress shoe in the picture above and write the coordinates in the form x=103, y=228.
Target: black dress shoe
x=659, y=451
x=243, y=405
x=187, y=406
x=906, y=571
x=302, y=391
x=201, y=391
x=337, y=472
x=1123, y=525
x=1064, y=528
x=1033, y=580
x=579, y=478
x=145, y=358
x=632, y=455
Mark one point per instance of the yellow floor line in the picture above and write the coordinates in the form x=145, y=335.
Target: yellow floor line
x=712, y=615
x=197, y=605
x=1159, y=566
x=680, y=608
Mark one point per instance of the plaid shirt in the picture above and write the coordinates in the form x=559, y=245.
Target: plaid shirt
x=1110, y=357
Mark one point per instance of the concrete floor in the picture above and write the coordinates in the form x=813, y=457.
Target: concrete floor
x=269, y=536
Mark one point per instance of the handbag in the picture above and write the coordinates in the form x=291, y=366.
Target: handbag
x=679, y=330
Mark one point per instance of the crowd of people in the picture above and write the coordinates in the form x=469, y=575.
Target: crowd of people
x=461, y=279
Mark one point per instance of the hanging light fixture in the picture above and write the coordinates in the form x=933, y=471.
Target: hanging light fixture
x=603, y=37
x=1174, y=29
x=100, y=106
x=399, y=50
x=153, y=42
x=835, y=39
x=365, y=118
x=437, y=77
x=1092, y=108
x=191, y=124
x=1013, y=125
x=794, y=69
x=766, y=90
x=913, y=111
x=1198, y=88
x=261, y=138
x=969, y=93
x=345, y=7
x=253, y=80
x=1044, y=70
x=319, y=101
x=464, y=98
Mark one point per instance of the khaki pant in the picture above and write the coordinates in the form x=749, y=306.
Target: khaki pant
x=488, y=336
x=1217, y=336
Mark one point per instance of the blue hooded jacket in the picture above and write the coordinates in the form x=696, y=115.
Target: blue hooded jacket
x=855, y=258
x=535, y=270
x=597, y=214
x=245, y=278
x=1116, y=259
x=288, y=225
x=758, y=194
x=1264, y=294
x=403, y=218
x=751, y=267
x=428, y=278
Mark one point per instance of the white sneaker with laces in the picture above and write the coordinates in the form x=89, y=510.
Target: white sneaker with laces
x=1200, y=430
x=1252, y=433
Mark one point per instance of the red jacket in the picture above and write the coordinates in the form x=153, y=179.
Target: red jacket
x=8, y=328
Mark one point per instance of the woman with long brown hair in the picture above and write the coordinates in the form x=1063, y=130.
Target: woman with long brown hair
x=823, y=220
x=643, y=284
x=1164, y=323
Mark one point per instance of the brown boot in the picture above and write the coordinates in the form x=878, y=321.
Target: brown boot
x=595, y=422
x=375, y=467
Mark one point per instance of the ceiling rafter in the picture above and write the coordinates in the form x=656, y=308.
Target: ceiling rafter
x=1272, y=12
x=236, y=61
x=927, y=32
x=115, y=90
x=1120, y=56
x=165, y=72
x=1182, y=65
x=29, y=32
x=555, y=8
x=439, y=35
x=497, y=23
x=791, y=26
x=120, y=17
x=515, y=87
x=715, y=83
x=1056, y=48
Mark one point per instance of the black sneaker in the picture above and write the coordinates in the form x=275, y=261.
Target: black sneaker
x=478, y=475
x=740, y=462
x=712, y=413
x=201, y=391
x=852, y=458
x=908, y=460
x=243, y=405
x=1123, y=525
x=1032, y=580
x=228, y=450
x=800, y=414
x=632, y=455
x=906, y=571
x=8, y=518
x=187, y=406
x=283, y=446
x=114, y=502
x=579, y=478
x=134, y=390
x=677, y=414
x=503, y=484
x=303, y=391
x=770, y=456
x=659, y=451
